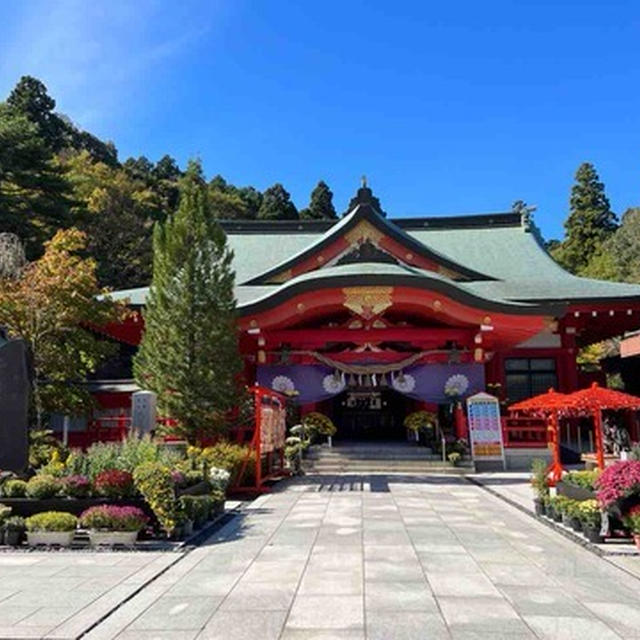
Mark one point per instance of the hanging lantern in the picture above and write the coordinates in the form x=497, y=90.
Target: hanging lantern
x=352, y=380
x=383, y=380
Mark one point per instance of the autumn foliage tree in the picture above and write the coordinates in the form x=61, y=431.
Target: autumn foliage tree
x=51, y=304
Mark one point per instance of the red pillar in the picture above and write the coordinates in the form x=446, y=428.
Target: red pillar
x=597, y=432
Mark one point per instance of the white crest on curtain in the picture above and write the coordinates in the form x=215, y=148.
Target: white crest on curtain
x=333, y=384
x=404, y=383
x=282, y=384
x=456, y=385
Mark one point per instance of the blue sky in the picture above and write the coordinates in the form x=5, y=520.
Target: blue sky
x=451, y=107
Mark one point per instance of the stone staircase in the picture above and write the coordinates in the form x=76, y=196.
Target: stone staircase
x=376, y=457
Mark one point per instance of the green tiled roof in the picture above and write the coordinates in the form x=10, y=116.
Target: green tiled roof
x=504, y=259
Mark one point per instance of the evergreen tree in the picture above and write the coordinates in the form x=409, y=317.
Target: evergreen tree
x=166, y=175
x=34, y=194
x=30, y=98
x=321, y=204
x=589, y=224
x=252, y=199
x=227, y=206
x=189, y=351
x=277, y=205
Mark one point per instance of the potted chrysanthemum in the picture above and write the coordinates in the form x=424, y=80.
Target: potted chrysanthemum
x=51, y=528
x=113, y=525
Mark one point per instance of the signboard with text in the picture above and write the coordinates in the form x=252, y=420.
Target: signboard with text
x=485, y=427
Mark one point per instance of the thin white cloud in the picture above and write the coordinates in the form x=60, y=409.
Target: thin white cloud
x=90, y=54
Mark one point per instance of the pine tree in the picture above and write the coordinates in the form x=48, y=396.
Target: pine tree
x=34, y=194
x=30, y=98
x=590, y=221
x=277, y=205
x=321, y=204
x=189, y=351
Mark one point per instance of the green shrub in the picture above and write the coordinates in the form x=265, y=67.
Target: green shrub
x=540, y=478
x=196, y=508
x=154, y=481
x=231, y=457
x=4, y=512
x=51, y=521
x=14, y=488
x=42, y=487
x=42, y=445
x=127, y=455
x=14, y=523
x=317, y=424
x=583, y=479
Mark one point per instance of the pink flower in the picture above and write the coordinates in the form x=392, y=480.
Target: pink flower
x=620, y=480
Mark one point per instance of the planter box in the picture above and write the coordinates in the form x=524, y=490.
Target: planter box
x=573, y=492
x=60, y=538
x=200, y=489
x=124, y=538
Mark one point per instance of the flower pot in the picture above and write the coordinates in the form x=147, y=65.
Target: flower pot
x=636, y=539
x=187, y=528
x=592, y=534
x=111, y=538
x=576, y=524
x=60, y=538
x=556, y=516
x=566, y=520
x=538, y=505
x=13, y=538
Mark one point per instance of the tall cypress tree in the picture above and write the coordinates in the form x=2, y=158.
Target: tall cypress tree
x=590, y=221
x=189, y=351
x=277, y=205
x=321, y=204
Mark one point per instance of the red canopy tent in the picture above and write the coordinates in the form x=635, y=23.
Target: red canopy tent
x=585, y=402
x=592, y=401
x=551, y=404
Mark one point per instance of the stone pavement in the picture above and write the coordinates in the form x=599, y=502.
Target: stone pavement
x=59, y=594
x=383, y=558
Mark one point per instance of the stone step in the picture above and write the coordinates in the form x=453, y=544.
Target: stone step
x=385, y=468
x=370, y=455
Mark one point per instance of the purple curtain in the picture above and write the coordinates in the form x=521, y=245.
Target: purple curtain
x=428, y=382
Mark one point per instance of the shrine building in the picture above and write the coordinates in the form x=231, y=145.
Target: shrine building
x=368, y=318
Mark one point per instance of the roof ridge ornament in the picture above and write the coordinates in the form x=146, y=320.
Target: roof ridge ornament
x=364, y=196
x=525, y=212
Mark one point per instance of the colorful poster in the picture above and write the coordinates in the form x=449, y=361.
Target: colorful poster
x=485, y=427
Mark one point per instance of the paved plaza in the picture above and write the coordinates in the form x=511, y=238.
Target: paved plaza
x=383, y=558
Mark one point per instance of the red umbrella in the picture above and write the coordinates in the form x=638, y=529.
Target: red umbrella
x=593, y=400
x=551, y=400
x=549, y=403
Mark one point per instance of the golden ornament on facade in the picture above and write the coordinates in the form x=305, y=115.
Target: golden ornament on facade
x=362, y=232
x=300, y=307
x=281, y=277
x=437, y=305
x=367, y=301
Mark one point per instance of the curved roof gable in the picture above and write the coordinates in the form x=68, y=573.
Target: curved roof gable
x=365, y=223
